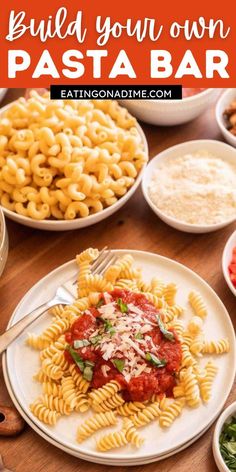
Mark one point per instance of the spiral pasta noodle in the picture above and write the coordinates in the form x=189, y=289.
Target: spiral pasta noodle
x=56, y=404
x=171, y=413
x=191, y=388
x=44, y=414
x=112, y=441
x=216, y=347
x=110, y=404
x=102, y=394
x=207, y=381
x=131, y=433
x=94, y=423
x=145, y=416
x=197, y=303
x=129, y=408
x=81, y=384
x=68, y=390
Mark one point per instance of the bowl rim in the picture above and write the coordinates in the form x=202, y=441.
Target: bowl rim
x=195, y=97
x=4, y=229
x=224, y=416
x=223, y=261
x=219, y=115
x=91, y=219
x=174, y=221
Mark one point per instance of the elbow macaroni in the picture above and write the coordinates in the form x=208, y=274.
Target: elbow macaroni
x=78, y=157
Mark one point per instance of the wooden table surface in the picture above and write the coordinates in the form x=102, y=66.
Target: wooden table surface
x=34, y=253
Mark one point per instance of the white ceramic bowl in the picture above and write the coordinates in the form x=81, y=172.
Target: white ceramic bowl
x=171, y=112
x=226, y=259
x=223, y=102
x=226, y=415
x=77, y=223
x=3, y=242
x=217, y=148
x=3, y=92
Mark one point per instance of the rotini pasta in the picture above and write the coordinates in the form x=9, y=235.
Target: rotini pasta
x=94, y=423
x=102, y=394
x=197, y=303
x=171, y=413
x=131, y=433
x=207, y=381
x=216, y=347
x=103, y=352
x=112, y=441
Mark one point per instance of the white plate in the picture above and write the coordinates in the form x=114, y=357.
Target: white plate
x=190, y=424
x=132, y=462
x=216, y=148
x=227, y=258
x=77, y=223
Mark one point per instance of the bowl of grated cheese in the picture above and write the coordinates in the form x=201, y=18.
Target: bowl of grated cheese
x=192, y=186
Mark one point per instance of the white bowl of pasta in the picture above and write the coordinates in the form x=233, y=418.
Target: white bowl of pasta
x=68, y=165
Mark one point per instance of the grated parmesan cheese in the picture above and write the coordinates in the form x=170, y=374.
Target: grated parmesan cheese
x=195, y=188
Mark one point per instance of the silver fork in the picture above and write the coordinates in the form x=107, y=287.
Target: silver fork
x=64, y=295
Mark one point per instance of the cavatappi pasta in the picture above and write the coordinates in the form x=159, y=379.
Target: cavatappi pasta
x=68, y=382
x=66, y=159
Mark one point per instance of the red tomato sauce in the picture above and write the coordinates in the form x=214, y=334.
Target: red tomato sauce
x=140, y=388
x=189, y=92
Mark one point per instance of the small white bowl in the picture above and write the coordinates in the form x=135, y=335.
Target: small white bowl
x=226, y=415
x=226, y=259
x=217, y=148
x=78, y=223
x=171, y=112
x=224, y=101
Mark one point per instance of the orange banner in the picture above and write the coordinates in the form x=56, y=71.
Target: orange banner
x=128, y=42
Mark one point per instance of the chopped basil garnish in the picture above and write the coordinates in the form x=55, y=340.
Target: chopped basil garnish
x=228, y=444
x=119, y=364
x=108, y=326
x=167, y=334
x=155, y=361
x=100, y=303
x=76, y=357
x=81, y=343
x=88, y=370
x=86, y=367
x=95, y=339
x=138, y=336
x=123, y=307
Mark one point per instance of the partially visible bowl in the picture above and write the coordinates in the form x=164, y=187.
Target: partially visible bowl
x=223, y=102
x=224, y=417
x=171, y=112
x=3, y=242
x=214, y=147
x=3, y=91
x=227, y=258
